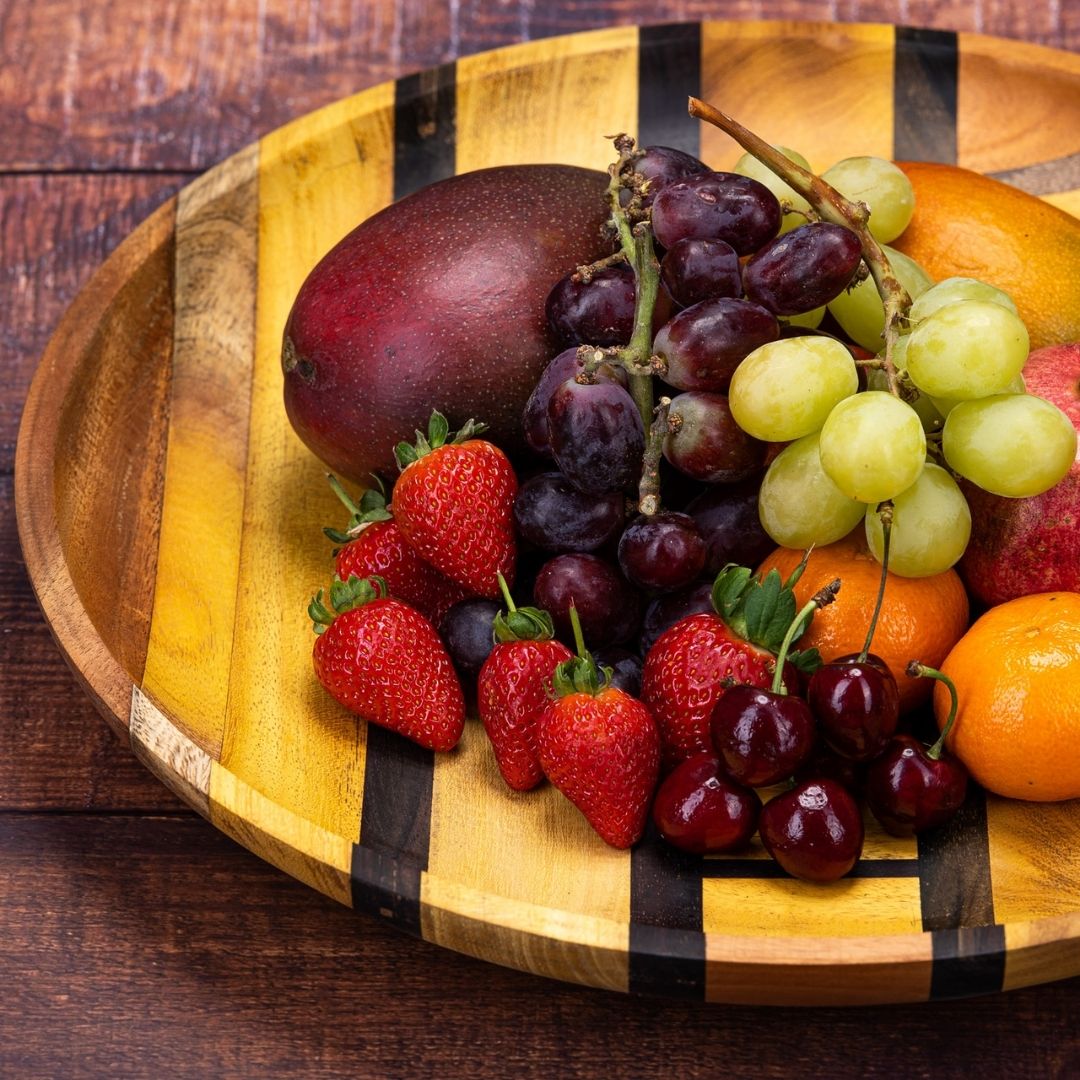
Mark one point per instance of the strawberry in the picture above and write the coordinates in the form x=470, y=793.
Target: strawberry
x=454, y=504
x=382, y=659
x=600, y=748
x=373, y=544
x=514, y=688
x=692, y=662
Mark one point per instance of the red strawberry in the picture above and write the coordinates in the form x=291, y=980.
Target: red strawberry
x=514, y=689
x=600, y=748
x=382, y=659
x=373, y=545
x=691, y=663
x=454, y=504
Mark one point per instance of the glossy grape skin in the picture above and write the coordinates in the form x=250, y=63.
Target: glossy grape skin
x=857, y=706
x=703, y=344
x=950, y=290
x=707, y=443
x=814, y=831
x=728, y=519
x=909, y=792
x=748, y=165
x=1016, y=445
x=694, y=270
x=762, y=737
x=608, y=606
x=799, y=504
x=663, y=165
x=662, y=552
x=785, y=389
x=716, y=206
x=666, y=610
x=597, y=436
x=930, y=528
x=625, y=668
x=564, y=366
x=698, y=809
x=884, y=188
x=596, y=312
x=802, y=269
x=553, y=515
x=467, y=630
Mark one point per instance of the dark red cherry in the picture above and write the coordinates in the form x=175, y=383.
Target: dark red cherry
x=908, y=790
x=857, y=705
x=762, y=737
x=701, y=810
x=825, y=763
x=814, y=831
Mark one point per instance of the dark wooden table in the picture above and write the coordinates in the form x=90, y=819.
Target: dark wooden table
x=134, y=939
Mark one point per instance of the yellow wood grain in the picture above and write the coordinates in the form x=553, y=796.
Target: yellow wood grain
x=1069, y=201
x=187, y=663
x=538, y=853
x=823, y=89
x=1017, y=104
x=284, y=736
x=548, y=101
x=1042, y=951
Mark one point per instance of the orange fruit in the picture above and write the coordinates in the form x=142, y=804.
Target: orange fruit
x=968, y=225
x=920, y=617
x=1017, y=677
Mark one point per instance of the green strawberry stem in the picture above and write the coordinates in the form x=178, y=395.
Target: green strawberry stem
x=521, y=624
x=580, y=675
x=820, y=599
x=833, y=207
x=916, y=670
x=438, y=434
x=885, y=512
x=344, y=596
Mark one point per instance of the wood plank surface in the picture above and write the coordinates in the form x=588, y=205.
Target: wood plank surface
x=134, y=937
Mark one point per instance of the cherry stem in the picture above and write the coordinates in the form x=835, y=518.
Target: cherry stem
x=821, y=598
x=885, y=511
x=649, y=488
x=579, y=636
x=505, y=590
x=832, y=207
x=916, y=670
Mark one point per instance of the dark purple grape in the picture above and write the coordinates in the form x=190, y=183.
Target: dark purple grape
x=468, y=632
x=665, y=611
x=695, y=270
x=662, y=165
x=716, y=206
x=607, y=605
x=662, y=552
x=803, y=269
x=597, y=436
x=728, y=519
x=565, y=366
x=625, y=668
x=595, y=312
x=704, y=344
x=707, y=444
x=552, y=514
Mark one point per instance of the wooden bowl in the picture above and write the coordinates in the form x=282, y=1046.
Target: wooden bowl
x=170, y=523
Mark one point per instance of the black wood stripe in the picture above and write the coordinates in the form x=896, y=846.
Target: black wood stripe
x=967, y=962
x=395, y=828
x=425, y=128
x=667, y=945
x=763, y=869
x=924, y=95
x=1044, y=177
x=669, y=71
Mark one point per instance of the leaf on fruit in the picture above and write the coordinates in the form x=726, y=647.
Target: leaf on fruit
x=768, y=610
x=806, y=660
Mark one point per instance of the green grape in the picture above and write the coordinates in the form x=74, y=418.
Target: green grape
x=882, y=186
x=860, y=311
x=924, y=406
x=1010, y=444
x=748, y=165
x=808, y=320
x=957, y=288
x=799, y=505
x=967, y=349
x=930, y=529
x=785, y=389
x=873, y=446
x=945, y=405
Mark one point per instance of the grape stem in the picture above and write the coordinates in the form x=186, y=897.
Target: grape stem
x=916, y=670
x=823, y=597
x=832, y=207
x=649, y=488
x=885, y=512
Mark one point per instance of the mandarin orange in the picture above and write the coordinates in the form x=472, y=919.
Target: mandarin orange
x=1017, y=677
x=920, y=617
x=969, y=225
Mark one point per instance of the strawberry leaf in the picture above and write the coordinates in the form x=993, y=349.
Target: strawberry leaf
x=728, y=590
x=768, y=609
x=806, y=660
x=438, y=429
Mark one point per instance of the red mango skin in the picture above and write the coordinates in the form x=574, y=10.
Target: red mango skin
x=436, y=301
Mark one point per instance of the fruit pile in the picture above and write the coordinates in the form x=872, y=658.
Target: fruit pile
x=747, y=366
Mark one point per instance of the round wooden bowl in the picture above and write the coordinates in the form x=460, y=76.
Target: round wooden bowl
x=170, y=523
